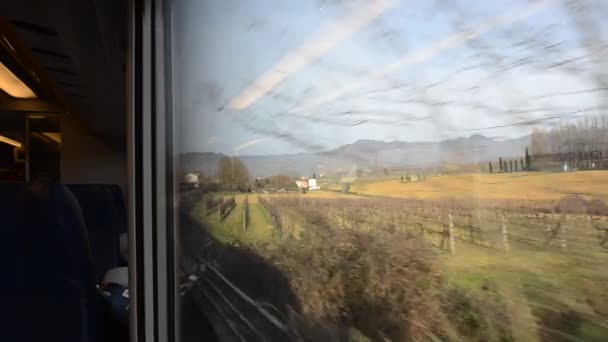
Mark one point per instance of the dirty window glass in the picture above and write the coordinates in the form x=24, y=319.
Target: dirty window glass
x=392, y=170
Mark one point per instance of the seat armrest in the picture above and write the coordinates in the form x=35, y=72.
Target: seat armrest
x=118, y=275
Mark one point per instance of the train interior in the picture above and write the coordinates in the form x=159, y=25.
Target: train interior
x=63, y=156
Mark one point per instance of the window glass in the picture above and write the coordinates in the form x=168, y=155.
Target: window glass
x=392, y=170
x=12, y=147
x=44, y=147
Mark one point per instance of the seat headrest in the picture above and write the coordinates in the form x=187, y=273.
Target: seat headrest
x=48, y=291
x=53, y=229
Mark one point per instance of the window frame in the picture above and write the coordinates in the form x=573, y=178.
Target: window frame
x=154, y=287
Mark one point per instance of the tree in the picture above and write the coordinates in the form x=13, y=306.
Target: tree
x=521, y=164
x=510, y=166
x=314, y=175
x=500, y=164
x=489, y=167
x=233, y=174
x=401, y=178
x=527, y=159
x=282, y=181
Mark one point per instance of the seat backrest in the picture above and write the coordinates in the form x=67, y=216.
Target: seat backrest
x=9, y=193
x=10, y=248
x=48, y=293
x=103, y=223
x=119, y=204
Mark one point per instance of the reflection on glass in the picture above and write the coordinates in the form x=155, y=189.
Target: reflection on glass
x=44, y=147
x=393, y=171
x=12, y=149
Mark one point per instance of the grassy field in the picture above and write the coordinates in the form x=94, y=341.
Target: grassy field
x=546, y=292
x=535, y=291
x=510, y=186
x=231, y=229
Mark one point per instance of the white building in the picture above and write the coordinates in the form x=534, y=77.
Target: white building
x=302, y=183
x=191, y=178
x=312, y=184
x=307, y=183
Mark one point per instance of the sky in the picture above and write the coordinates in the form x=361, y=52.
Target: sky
x=268, y=76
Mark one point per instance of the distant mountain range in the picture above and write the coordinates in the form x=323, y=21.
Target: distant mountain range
x=370, y=154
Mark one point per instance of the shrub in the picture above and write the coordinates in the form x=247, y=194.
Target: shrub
x=382, y=284
x=479, y=317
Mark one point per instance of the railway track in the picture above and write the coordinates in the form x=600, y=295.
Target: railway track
x=233, y=314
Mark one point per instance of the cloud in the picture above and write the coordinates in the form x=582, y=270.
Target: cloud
x=427, y=53
x=325, y=40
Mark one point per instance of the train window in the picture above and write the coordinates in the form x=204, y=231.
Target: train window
x=44, y=143
x=381, y=170
x=31, y=147
x=12, y=147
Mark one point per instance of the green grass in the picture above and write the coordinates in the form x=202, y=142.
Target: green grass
x=231, y=229
x=546, y=287
x=532, y=292
x=260, y=226
x=228, y=229
x=198, y=211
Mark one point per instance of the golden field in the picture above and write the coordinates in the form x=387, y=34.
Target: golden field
x=513, y=186
x=253, y=198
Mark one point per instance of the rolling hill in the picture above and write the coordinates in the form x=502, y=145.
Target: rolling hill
x=368, y=154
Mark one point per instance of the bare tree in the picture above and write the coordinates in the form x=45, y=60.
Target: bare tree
x=233, y=173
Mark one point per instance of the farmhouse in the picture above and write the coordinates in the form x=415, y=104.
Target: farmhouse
x=302, y=183
x=307, y=183
x=191, y=178
x=312, y=185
